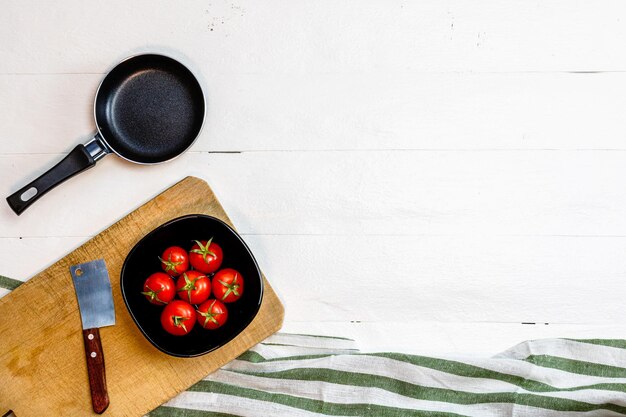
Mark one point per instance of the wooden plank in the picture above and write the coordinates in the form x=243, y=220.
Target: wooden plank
x=321, y=36
x=448, y=278
x=44, y=359
x=49, y=249
x=329, y=75
x=350, y=193
x=452, y=339
x=515, y=279
x=367, y=111
x=428, y=337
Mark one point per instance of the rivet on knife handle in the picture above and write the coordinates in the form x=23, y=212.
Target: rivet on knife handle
x=95, y=370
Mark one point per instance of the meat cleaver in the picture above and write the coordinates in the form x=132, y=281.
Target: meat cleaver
x=95, y=302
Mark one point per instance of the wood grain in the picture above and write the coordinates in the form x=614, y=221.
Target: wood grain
x=535, y=87
x=369, y=111
x=44, y=359
x=502, y=236
x=568, y=193
x=325, y=36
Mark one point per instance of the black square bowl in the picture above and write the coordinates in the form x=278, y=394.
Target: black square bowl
x=143, y=261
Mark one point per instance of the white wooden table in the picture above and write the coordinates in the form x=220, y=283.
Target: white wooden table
x=421, y=176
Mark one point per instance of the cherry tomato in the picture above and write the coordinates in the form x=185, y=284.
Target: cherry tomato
x=206, y=256
x=193, y=287
x=178, y=318
x=212, y=314
x=159, y=288
x=228, y=285
x=174, y=260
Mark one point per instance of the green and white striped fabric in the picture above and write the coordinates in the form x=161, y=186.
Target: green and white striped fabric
x=305, y=376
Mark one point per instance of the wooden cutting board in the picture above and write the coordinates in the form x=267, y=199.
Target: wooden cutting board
x=42, y=359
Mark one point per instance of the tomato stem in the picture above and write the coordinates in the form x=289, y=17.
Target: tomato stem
x=189, y=285
x=178, y=321
x=233, y=287
x=209, y=315
x=154, y=295
x=204, y=250
x=169, y=264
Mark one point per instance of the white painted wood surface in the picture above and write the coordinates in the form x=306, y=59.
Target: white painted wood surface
x=421, y=176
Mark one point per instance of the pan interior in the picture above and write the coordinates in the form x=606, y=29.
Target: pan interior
x=149, y=108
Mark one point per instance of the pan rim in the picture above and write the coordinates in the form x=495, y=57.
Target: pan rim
x=101, y=136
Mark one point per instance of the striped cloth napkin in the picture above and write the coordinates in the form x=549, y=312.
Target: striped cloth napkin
x=305, y=376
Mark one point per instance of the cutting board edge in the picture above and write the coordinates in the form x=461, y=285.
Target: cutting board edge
x=266, y=324
x=25, y=285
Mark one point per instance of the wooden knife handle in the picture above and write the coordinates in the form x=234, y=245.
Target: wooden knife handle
x=95, y=369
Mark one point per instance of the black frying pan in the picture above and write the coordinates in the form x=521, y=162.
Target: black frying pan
x=148, y=109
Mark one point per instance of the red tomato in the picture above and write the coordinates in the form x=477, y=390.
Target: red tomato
x=178, y=318
x=193, y=287
x=159, y=288
x=206, y=256
x=174, y=260
x=228, y=285
x=212, y=314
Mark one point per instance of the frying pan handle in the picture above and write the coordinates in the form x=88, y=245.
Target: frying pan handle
x=75, y=162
